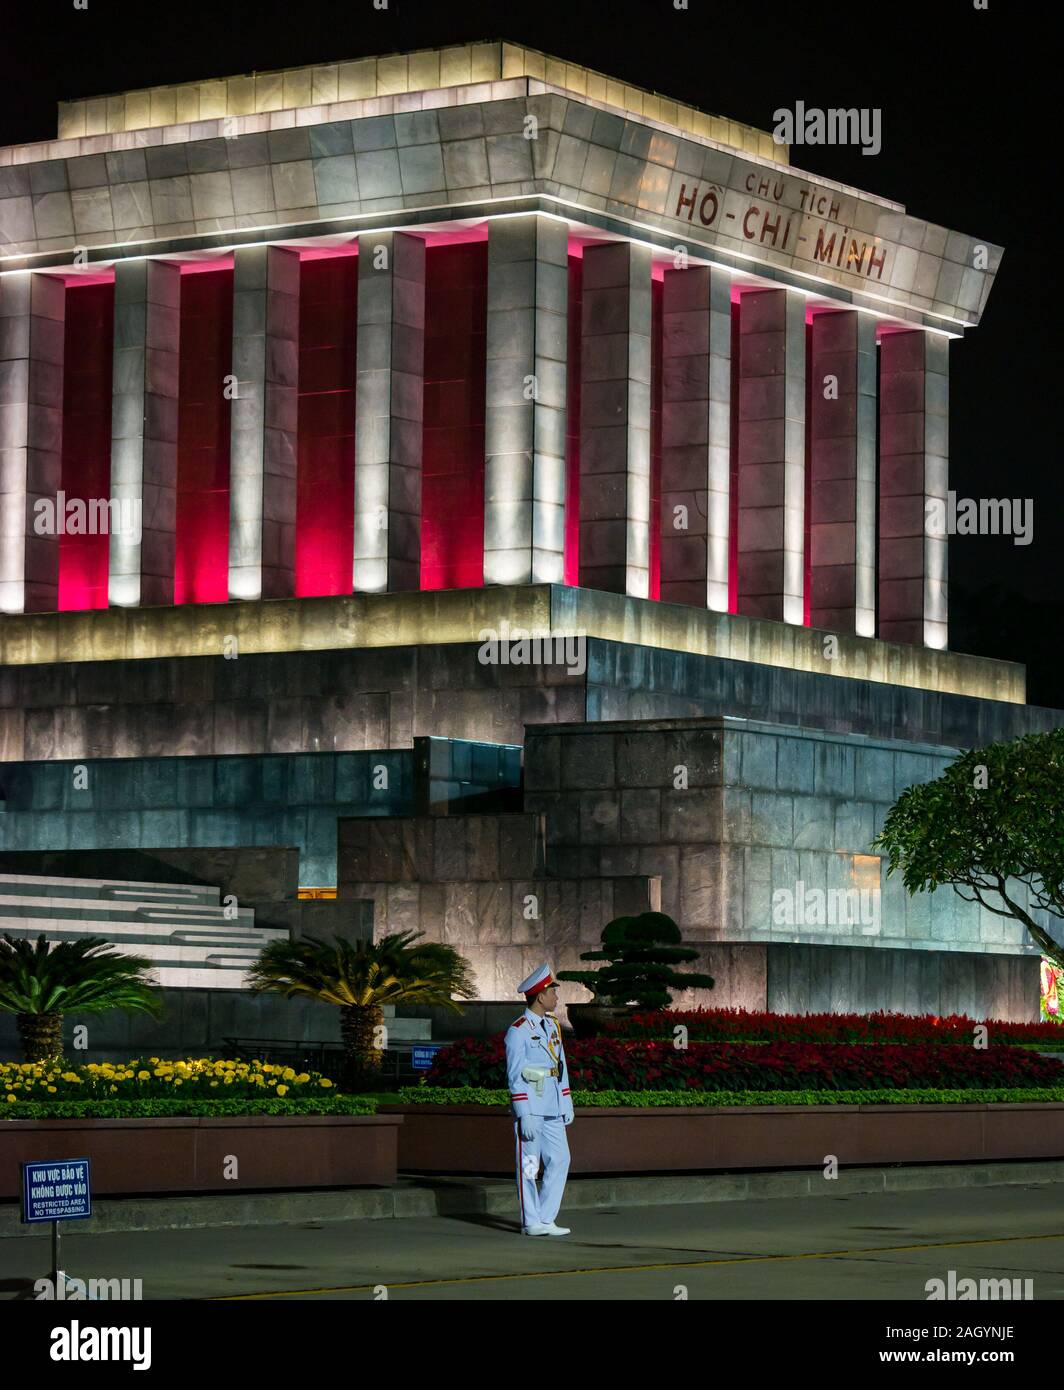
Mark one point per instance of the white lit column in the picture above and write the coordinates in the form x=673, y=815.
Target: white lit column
x=842, y=464
x=144, y=423
x=390, y=358
x=263, y=423
x=32, y=311
x=524, y=447
x=615, y=419
x=696, y=437
x=913, y=473
x=771, y=450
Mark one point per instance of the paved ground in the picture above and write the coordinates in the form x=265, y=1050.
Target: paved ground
x=882, y=1246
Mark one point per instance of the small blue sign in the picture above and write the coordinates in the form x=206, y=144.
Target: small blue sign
x=424, y=1056
x=56, y=1191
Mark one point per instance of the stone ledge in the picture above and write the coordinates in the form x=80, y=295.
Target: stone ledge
x=420, y=1198
x=460, y=616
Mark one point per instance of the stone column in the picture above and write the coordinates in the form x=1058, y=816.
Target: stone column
x=524, y=448
x=696, y=434
x=842, y=463
x=263, y=423
x=913, y=472
x=771, y=503
x=32, y=312
x=615, y=419
x=144, y=430
x=389, y=411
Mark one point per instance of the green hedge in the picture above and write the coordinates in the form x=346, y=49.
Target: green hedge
x=473, y=1095
x=337, y=1104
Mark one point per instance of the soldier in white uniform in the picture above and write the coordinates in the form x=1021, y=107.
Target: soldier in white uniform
x=539, y=1094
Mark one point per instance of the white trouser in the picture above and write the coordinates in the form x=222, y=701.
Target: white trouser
x=540, y=1205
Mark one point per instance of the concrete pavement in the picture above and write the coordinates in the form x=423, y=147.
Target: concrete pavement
x=844, y=1246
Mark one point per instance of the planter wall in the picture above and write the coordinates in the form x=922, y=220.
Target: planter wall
x=188, y=1154
x=480, y=1139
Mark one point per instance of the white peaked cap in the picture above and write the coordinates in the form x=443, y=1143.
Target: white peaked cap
x=539, y=980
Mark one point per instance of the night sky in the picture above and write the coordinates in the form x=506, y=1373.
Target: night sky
x=969, y=141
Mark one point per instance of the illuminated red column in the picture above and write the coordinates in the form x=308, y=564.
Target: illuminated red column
x=574, y=338
x=913, y=484
x=452, y=496
x=842, y=464
x=325, y=470
x=86, y=465
x=696, y=434
x=32, y=308
x=771, y=455
x=615, y=419
x=201, y=524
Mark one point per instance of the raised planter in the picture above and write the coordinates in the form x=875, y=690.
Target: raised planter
x=592, y=1020
x=480, y=1138
x=190, y=1153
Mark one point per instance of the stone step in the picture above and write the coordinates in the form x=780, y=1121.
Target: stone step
x=171, y=951
x=93, y=910
x=66, y=929
x=45, y=884
x=205, y=896
x=200, y=977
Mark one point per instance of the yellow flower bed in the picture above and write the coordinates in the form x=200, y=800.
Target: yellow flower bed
x=153, y=1076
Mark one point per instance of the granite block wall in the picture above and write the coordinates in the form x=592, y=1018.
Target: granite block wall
x=800, y=811
x=628, y=800
x=759, y=833
x=629, y=681
x=808, y=979
x=354, y=700
x=246, y=800
x=788, y=978
x=291, y=702
x=479, y=883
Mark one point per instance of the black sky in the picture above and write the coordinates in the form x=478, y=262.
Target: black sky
x=970, y=141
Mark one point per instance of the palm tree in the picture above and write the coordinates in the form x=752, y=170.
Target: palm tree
x=39, y=983
x=361, y=977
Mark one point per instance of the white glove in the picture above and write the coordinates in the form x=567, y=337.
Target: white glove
x=528, y=1128
x=568, y=1119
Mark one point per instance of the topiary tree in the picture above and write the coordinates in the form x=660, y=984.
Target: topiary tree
x=39, y=983
x=642, y=953
x=994, y=818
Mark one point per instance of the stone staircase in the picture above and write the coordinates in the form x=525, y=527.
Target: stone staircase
x=182, y=929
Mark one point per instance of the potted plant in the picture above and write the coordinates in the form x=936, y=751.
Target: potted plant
x=360, y=978
x=39, y=983
x=642, y=953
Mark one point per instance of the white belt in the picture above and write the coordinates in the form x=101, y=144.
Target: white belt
x=537, y=1075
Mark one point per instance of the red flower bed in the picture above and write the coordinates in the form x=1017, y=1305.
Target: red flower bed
x=604, y=1064
x=742, y=1025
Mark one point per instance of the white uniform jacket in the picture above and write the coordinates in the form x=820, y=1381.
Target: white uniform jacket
x=532, y=1040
